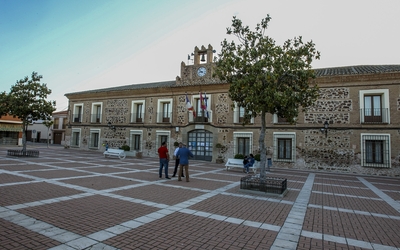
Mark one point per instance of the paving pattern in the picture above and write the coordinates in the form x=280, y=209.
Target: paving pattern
x=73, y=199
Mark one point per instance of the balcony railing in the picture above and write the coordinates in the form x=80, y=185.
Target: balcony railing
x=380, y=115
x=164, y=117
x=137, y=117
x=95, y=118
x=77, y=118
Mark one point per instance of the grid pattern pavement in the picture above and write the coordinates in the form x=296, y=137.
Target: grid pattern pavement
x=72, y=199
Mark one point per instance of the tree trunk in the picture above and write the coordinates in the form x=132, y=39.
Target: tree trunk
x=24, y=131
x=261, y=141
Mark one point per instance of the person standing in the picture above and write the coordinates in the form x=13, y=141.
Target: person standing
x=184, y=154
x=177, y=160
x=164, y=159
x=250, y=163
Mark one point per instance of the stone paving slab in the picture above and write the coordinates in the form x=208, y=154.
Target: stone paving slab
x=73, y=199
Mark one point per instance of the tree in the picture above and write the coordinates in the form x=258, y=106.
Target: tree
x=265, y=77
x=48, y=123
x=27, y=101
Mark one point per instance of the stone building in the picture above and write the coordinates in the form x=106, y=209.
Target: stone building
x=353, y=126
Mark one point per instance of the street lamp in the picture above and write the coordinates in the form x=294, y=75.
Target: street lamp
x=325, y=128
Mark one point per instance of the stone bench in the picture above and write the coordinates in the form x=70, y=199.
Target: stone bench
x=238, y=163
x=115, y=152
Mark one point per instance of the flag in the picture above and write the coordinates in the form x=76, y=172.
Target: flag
x=202, y=103
x=205, y=104
x=189, y=106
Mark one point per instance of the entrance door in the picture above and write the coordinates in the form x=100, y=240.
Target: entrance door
x=200, y=143
x=57, y=138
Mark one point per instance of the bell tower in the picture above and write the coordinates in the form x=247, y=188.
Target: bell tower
x=201, y=69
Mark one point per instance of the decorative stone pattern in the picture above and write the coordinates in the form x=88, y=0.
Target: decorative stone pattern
x=331, y=106
x=86, y=112
x=334, y=93
x=335, y=139
x=320, y=118
x=182, y=110
x=221, y=119
x=398, y=104
x=222, y=108
x=334, y=104
x=117, y=111
x=223, y=97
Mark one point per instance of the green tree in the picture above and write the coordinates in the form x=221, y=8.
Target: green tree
x=265, y=77
x=27, y=101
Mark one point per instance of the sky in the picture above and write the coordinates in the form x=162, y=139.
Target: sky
x=83, y=45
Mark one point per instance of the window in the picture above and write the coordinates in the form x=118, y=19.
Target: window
x=284, y=146
x=374, y=106
x=137, y=115
x=162, y=136
x=242, y=143
x=279, y=120
x=96, y=112
x=94, y=138
x=136, y=140
x=201, y=115
x=56, y=123
x=238, y=115
x=64, y=124
x=75, y=140
x=78, y=111
x=375, y=150
x=164, y=110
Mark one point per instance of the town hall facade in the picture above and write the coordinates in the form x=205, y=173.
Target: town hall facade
x=353, y=127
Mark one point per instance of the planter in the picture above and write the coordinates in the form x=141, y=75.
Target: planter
x=266, y=185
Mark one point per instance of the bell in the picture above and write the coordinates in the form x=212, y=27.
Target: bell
x=203, y=59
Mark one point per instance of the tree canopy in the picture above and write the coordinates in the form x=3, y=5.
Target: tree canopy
x=27, y=100
x=265, y=77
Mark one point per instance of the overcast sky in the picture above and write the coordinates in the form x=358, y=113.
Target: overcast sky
x=82, y=45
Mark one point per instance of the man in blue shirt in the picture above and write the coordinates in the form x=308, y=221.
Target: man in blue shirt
x=183, y=154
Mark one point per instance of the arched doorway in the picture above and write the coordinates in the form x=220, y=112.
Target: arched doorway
x=200, y=143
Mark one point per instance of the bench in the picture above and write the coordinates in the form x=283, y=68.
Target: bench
x=238, y=163
x=115, y=152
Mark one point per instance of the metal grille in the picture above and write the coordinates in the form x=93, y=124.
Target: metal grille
x=267, y=185
x=375, y=151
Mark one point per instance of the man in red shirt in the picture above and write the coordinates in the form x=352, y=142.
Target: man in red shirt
x=164, y=159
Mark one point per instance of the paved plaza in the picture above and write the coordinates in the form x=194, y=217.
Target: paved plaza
x=75, y=199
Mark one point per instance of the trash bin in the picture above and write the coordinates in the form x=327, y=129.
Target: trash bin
x=269, y=161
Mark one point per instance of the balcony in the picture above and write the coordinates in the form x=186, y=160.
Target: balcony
x=77, y=118
x=95, y=118
x=164, y=117
x=137, y=117
x=374, y=116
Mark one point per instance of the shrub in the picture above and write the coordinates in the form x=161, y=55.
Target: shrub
x=125, y=147
x=176, y=144
x=257, y=157
x=239, y=156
